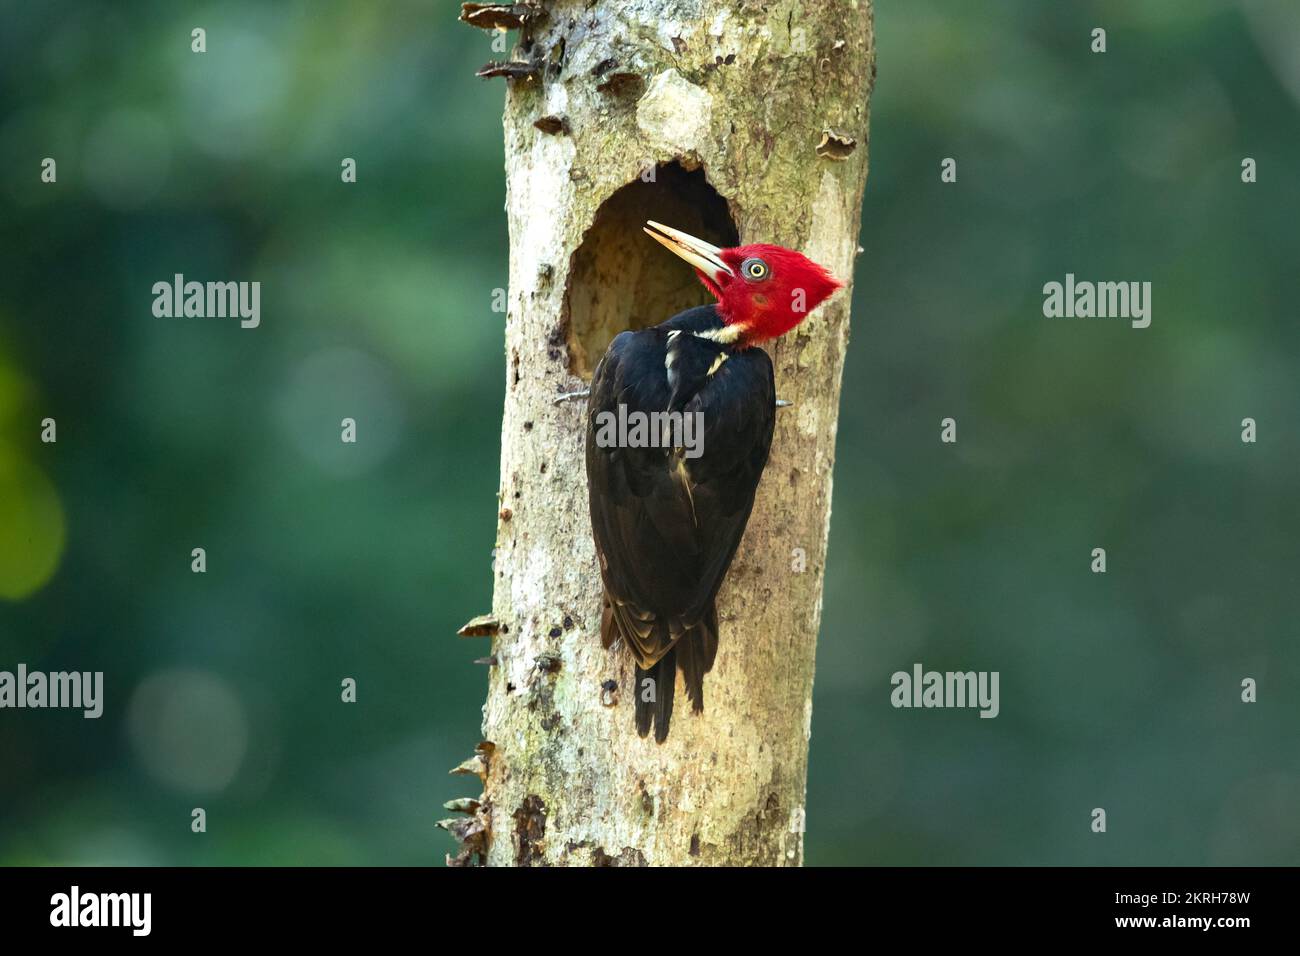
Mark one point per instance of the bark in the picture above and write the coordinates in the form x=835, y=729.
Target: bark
x=726, y=118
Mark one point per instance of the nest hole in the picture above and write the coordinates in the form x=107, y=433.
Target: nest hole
x=622, y=279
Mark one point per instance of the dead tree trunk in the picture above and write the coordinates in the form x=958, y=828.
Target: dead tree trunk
x=730, y=119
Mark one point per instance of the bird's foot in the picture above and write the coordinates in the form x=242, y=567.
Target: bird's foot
x=570, y=396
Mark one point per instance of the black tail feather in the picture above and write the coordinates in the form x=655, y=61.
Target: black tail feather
x=694, y=653
x=690, y=657
x=654, y=701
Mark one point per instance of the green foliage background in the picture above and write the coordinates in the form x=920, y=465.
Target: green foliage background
x=1118, y=691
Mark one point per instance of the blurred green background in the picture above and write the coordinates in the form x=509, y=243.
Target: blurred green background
x=1118, y=691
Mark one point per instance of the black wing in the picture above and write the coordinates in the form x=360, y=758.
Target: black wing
x=666, y=527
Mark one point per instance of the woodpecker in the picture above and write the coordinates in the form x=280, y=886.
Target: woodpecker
x=667, y=519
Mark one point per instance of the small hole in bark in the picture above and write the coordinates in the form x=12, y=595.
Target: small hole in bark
x=609, y=693
x=553, y=125
x=622, y=84
x=622, y=279
x=836, y=145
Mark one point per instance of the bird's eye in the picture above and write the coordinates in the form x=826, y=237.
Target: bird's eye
x=754, y=269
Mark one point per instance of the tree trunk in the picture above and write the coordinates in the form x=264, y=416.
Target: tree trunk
x=725, y=118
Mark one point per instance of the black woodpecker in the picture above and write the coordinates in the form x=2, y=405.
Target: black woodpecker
x=669, y=502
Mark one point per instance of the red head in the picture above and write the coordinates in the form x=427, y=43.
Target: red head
x=763, y=291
